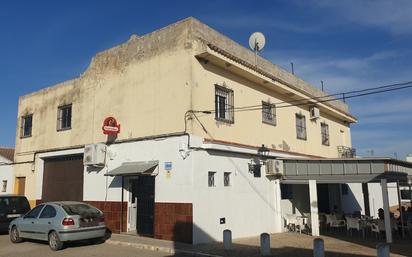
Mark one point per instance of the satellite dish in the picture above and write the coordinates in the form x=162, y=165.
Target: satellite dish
x=257, y=41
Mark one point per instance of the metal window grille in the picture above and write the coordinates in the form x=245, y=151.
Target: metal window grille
x=325, y=133
x=26, y=125
x=64, y=117
x=300, y=126
x=4, y=187
x=224, y=102
x=211, y=178
x=226, y=179
x=268, y=113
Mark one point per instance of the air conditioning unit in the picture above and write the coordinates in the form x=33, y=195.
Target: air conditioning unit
x=274, y=167
x=94, y=155
x=314, y=113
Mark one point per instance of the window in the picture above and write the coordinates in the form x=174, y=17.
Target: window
x=35, y=212
x=224, y=104
x=211, y=178
x=4, y=187
x=64, y=117
x=48, y=212
x=406, y=194
x=226, y=179
x=26, y=125
x=324, y=130
x=268, y=113
x=286, y=191
x=345, y=189
x=300, y=126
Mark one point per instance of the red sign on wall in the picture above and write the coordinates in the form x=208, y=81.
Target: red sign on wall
x=110, y=126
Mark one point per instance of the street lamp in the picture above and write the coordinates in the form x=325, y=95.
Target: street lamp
x=256, y=163
x=263, y=152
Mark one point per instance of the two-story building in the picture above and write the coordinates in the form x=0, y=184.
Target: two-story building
x=162, y=133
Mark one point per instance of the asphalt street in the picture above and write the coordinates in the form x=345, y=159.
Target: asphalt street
x=40, y=249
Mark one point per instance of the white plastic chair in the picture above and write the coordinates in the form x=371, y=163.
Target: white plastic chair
x=352, y=223
x=333, y=222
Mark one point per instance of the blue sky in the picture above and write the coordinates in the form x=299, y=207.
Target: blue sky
x=348, y=44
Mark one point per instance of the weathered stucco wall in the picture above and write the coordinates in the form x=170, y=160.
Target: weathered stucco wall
x=148, y=83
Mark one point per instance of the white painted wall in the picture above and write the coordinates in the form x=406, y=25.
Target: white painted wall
x=6, y=173
x=248, y=205
x=354, y=199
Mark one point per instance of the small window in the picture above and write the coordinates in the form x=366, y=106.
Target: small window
x=26, y=125
x=268, y=113
x=406, y=194
x=300, y=126
x=211, y=178
x=226, y=179
x=64, y=117
x=345, y=189
x=48, y=212
x=224, y=104
x=35, y=212
x=324, y=129
x=286, y=191
x=4, y=186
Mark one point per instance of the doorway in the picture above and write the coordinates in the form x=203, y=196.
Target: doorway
x=142, y=205
x=20, y=185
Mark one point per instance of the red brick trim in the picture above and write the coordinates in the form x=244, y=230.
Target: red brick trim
x=216, y=141
x=174, y=221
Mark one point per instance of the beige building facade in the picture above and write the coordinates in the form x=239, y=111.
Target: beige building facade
x=182, y=80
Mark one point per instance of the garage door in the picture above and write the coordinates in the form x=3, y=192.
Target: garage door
x=63, y=179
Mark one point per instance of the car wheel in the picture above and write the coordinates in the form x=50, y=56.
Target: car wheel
x=54, y=241
x=14, y=235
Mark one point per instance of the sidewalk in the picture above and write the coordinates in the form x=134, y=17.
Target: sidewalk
x=283, y=244
x=146, y=243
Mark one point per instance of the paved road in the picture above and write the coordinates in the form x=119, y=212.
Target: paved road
x=38, y=249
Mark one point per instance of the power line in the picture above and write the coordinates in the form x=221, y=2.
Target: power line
x=342, y=96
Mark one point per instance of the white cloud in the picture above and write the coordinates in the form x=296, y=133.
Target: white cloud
x=394, y=16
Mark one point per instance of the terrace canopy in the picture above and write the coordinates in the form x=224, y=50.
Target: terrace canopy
x=353, y=170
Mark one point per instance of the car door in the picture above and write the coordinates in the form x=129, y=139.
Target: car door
x=45, y=222
x=28, y=223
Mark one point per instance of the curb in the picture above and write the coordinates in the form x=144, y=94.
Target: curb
x=159, y=248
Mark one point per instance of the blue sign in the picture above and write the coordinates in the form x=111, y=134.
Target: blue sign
x=168, y=166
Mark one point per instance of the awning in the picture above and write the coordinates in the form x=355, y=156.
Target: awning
x=351, y=170
x=133, y=168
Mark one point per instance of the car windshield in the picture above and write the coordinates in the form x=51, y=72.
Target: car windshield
x=83, y=210
x=14, y=203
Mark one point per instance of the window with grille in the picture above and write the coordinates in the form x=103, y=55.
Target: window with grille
x=64, y=117
x=268, y=113
x=226, y=179
x=300, y=126
x=224, y=104
x=26, y=125
x=4, y=186
x=324, y=128
x=211, y=178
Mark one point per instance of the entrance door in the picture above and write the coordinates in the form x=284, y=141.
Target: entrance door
x=145, y=190
x=20, y=185
x=323, y=198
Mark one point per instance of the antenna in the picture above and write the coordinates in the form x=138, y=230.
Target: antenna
x=256, y=43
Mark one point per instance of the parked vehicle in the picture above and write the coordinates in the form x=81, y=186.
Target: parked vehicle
x=11, y=207
x=59, y=222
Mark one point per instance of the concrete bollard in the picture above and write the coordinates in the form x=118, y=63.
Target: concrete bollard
x=318, y=247
x=265, y=244
x=382, y=250
x=227, y=239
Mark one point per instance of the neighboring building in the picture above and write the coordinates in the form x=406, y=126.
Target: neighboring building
x=181, y=161
x=6, y=170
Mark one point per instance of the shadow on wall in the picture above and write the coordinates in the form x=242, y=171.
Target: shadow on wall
x=349, y=202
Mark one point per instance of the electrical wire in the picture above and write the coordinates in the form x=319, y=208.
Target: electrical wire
x=342, y=96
